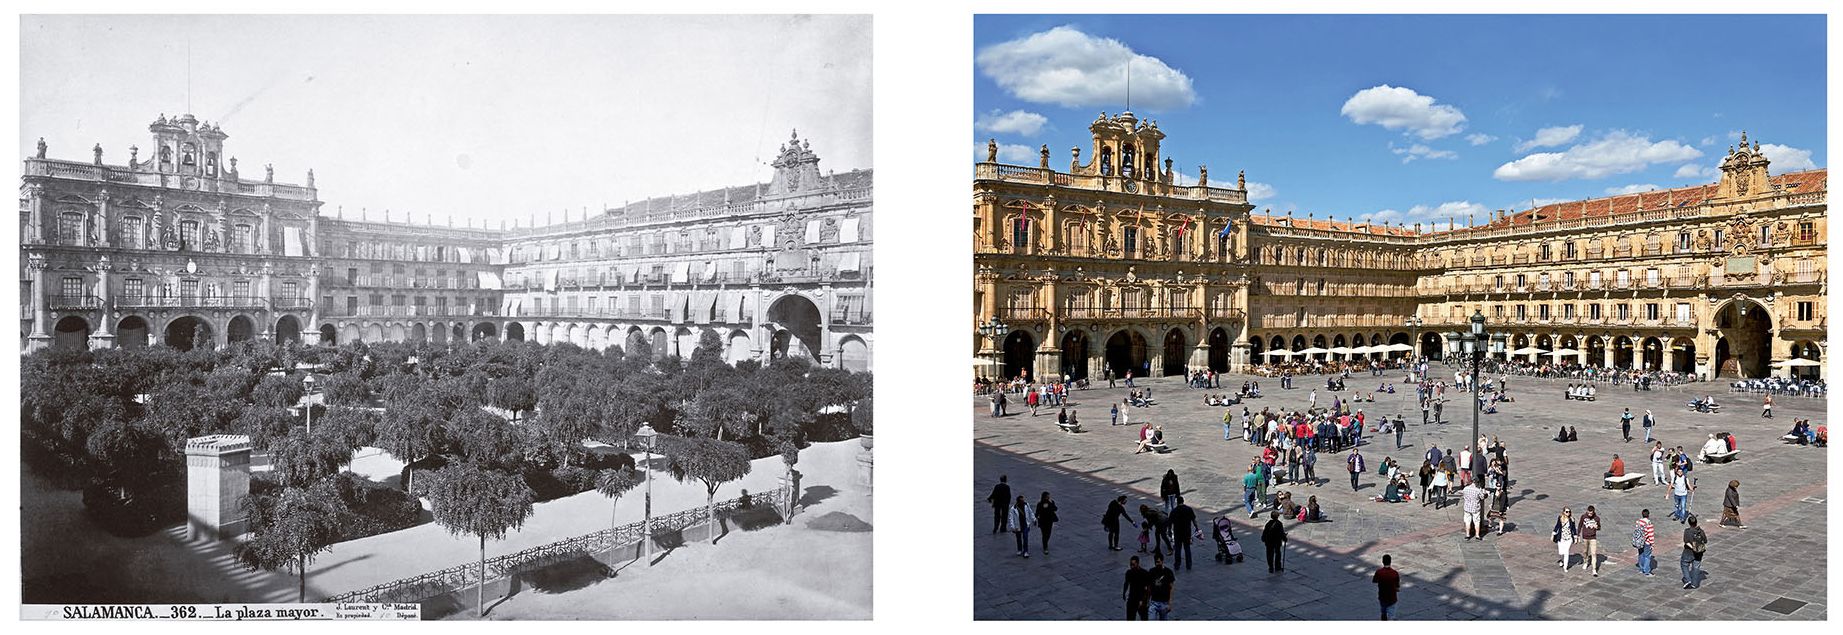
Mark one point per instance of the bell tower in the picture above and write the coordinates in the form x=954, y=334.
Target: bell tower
x=185, y=145
x=1743, y=172
x=1124, y=146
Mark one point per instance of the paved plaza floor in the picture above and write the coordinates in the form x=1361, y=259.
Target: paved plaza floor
x=1781, y=555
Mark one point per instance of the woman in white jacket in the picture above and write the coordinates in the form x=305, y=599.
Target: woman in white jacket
x=1019, y=522
x=1565, y=533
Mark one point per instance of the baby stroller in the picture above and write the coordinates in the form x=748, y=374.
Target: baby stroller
x=1228, y=551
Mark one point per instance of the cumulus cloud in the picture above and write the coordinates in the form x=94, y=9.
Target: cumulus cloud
x=1018, y=122
x=1433, y=213
x=1010, y=153
x=1261, y=191
x=1787, y=158
x=1551, y=137
x=1396, y=108
x=1693, y=171
x=1069, y=68
x=1618, y=152
x=1631, y=189
x=1421, y=151
x=1479, y=138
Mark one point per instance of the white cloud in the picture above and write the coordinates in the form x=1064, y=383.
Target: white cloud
x=1008, y=153
x=1069, y=68
x=1539, y=202
x=1433, y=213
x=1421, y=151
x=1550, y=137
x=1618, y=152
x=1631, y=189
x=1261, y=191
x=1787, y=158
x=1693, y=171
x=1019, y=122
x=1707, y=141
x=1403, y=109
x=1479, y=138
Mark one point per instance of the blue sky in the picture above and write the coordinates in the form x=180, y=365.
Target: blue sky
x=1413, y=118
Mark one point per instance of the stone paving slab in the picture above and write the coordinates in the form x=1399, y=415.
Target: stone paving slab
x=1514, y=576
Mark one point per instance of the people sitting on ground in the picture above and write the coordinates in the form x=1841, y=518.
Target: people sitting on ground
x=1312, y=512
x=1158, y=436
x=1618, y=468
x=1711, y=447
x=1062, y=417
x=1283, y=501
x=1801, y=431
x=1561, y=434
x=1397, y=491
x=1072, y=423
x=1145, y=438
x=1821, y=437
x=1573, y=434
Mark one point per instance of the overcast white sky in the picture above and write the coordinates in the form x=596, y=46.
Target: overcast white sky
x=484, y=117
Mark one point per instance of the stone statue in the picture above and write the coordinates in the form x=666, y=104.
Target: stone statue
x=1241, y=180
x=1043, y=155
x=211, y=240
x=310, y=177
x=1202, y=175
x=134, y=153
x=268, y=173
x=98, y=152
x=828, y=232
x=41, y=147
x=991, y=150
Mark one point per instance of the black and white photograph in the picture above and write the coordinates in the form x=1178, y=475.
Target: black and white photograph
x=489, y=317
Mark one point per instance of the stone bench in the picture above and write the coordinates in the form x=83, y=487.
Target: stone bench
x=1160, y=448
x=1791, y=438
x=1630, y=480
x=1070, y=428
x=1720, y=457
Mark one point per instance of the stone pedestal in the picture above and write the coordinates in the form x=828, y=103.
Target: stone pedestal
x=217, y=479
x=866, y=463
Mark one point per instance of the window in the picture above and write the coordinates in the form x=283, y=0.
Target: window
x=1545, y=251
x=1567, y=311
x=591, y=308
x=1625, y=311
x=1683, y=241
x=1651, y=311
x=352, y=275
x=399, y=300
x=188, y=234
x=1129, y=238
x=1568, y=278
x=1593, y=311
x=1497, y=311
x=1522, y=312
x=70, y=228
x=1522, y=280
x=376, y=299
x=1500, y=281
x=73, y=287
x=1542, y=312
x=1181, y=243
x=1543, y=280
x=1766, y=235
x=1625, y=277
x=1567, y=250
x=1807, y=231
x=240, y=289
x=351, y=305
x=134, y=288
x=243, y=239
x=1718, y=241
x=1683, y=313
x=1594, y=278
x=1020, y=232
x=1106, y=161
x=1651, y=277
x=130, y=235
x=1321, y=286
x=291, y=291
x=188, y=289
x=1804, y=311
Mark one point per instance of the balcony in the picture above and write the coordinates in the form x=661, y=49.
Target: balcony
x=851, y=317
x=292, y=303
x=144, y=302
x=1131, y=313
x=1023, y=313
x=72, y=302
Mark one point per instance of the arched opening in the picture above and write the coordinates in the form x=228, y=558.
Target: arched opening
x=635, y=345
x=241, y=329
x=1622, y=352
x=1256, y=348
x=1652, y=350
x=1176, y=352
x=739, y=348
x=1683, y=355
x=374, y=333
x=73, y=334
x=398, y=333
x=1747, y=330
x=657, y=339
x=1298, y=343
x=460, y=333
x=1020, y=349
x=438, y=335
x=350, y=334
x=1276, y=343
x=131, y=332
x=1596, y=350
x=1126, y=352
x=1807, y=350
x=419, y=333
x=486, y=331
x=1075, y=354
x=187, y=332
x=1430, y=346
x=854, y=354
x=287, y=330
x=684, y=341
x=1338, y=342
x=799, y=317
x=329, y=335
x=515, y=332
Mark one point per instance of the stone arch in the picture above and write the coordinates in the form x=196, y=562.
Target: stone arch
x=515, y=332
x=131, y=332
x=1177, y=352
x=1622, y=352
x=1683, y=355
x=1431, y=347
x=241, y=329
x=1298, y=343
x=1596, y=350
x=1807, y=349
x=1651, y=353
x=738, y=348
x=1075, y=351
x=459, y=335
x=374, y=333
x=684, y=341
x=1276, y=343
x=1126, y=351
x=1744, y=344
x=329, y=335
x=287, y=330
x=853, y=354
x=183, y=332
x=351, y=333
x=72, y=333
x=598, y=338
x=1219, y=349
x=418, y=333
x=485, y=331
x=397, y=333
x=1018, y=352
x=657, y=338
x=799, y=316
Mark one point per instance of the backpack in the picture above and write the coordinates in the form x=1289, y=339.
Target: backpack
x=1638, y=536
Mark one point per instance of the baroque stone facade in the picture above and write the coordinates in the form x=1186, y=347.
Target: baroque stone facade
x=1113, y=266
x=180, y=247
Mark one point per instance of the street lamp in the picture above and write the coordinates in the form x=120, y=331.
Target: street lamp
x=646, y=435
x=307, y=385
x=994, y=331
x=1414, y=325
x=1478, y=344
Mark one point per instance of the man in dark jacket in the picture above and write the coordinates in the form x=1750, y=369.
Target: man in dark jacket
x=1168, y=490
x=1695, y=542
x=1116, y=511
x=1274, y=536
x=1183, y=523
x=1138, y=584
x=1001, y=502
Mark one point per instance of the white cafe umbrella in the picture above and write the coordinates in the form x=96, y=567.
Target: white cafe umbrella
x=1313, y=351
x=1400, y=347
x=1528, y=350
x=1796, y=362
x=1566, y=352
x=1363, y=350
x=1340, y=350
x=1280, y=353
x=980, y=361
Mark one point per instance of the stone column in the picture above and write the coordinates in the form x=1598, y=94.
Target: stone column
x=827, y=347
x=41, y=318
x=35, y=230
x=102, y=337
x=217, y=480
x=267, y=311
x=102, y=220
x=1669, y=358
x=1606, y=350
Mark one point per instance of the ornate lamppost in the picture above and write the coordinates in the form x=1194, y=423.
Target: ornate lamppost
x=646, y=435
x=1477, y=344
x=995, y=331
x=1414, y=326
x=307, y=386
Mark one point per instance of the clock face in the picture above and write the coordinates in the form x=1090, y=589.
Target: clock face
x=1132, y=187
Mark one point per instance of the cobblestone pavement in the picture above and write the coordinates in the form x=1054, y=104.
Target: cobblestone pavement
x=1328, y=565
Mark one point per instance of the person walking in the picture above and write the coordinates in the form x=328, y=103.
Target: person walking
x=1473, y=501
x=1160, y=582
x=1590, y=539
x=1565, y=533
x=1116, y=511
x=1426, y=410
x=1046, y=519
x=1437, y=406
x=1310, y=460
x=1644, y=538
x=1019, y=521
x=1274, y=536
x=1766, y=407
x=1168, y=489
x=1731, y=506
x=1356, y=466
x=1695, y=542
x=1398, y=430
x=1680, y=489
x=1138, y=586
x=1657, y=464
x=1248, y=483
x=1625, y=425
x=1388, y=583
x=1647, y=422
x=1000, y=499
x=1183, y=527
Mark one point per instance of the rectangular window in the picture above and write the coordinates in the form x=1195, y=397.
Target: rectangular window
x=351, y=305
x=188, y=289
x=243, y=239
x=1522, y=280
x=1568, y=278
x=1542, y=311
x=1625, y=311
x=1522, y=312
x=1652, y=276
x=1593, y=311
x=1567, y=311
x=73, y=287
x=399, y=300
x=134, y=288
x=1766, y=235
x=1497, y=311
x=1130, y=239
x=188, y=234
x=130, y=236
x=290, y=290
x=1683, y=241
x=1568, y=250
x=1625, y=277
x=1683, y=314
x=1651, y=311
x=1500, y=281
x=240, y=289
x=1545, y=251
x=1807, y=231
x=352, y=275
x=1594, y=278
x=1718, y=240
x=376, y=299
x=1804, y=311
x=70, y=228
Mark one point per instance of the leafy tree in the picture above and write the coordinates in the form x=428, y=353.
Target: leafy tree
x=345, y=388
x=265, y=424
x=231, y=383
x=302, y=459
x=514, y=394
x=289, y=526
x=471, y=501
x=707, y=461
x=614, y=482
x=279, y=391
x=486, y=440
